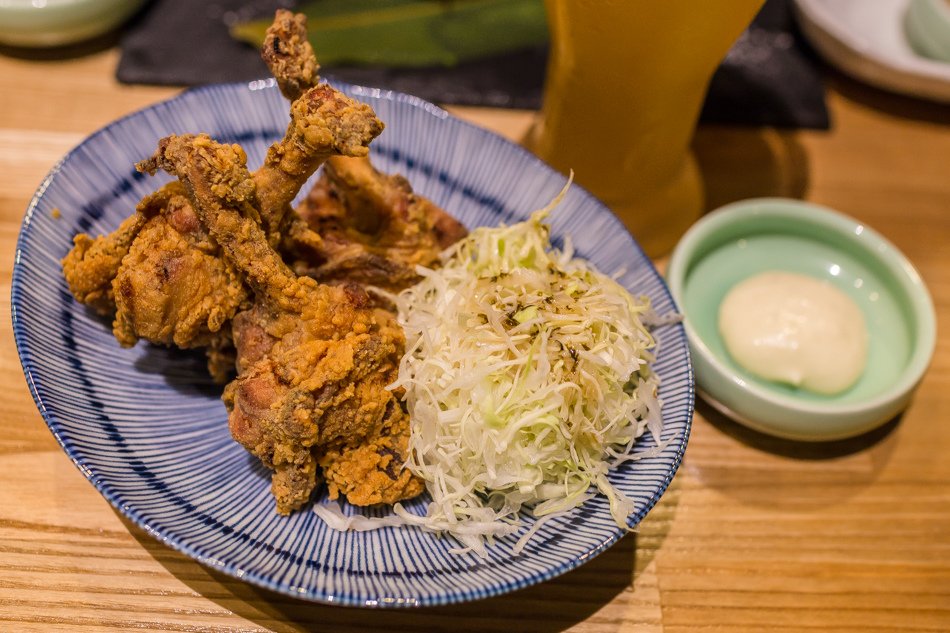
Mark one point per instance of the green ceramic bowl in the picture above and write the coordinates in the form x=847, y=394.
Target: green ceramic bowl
x=37, y=23
x=753, y=236
x=927, y=26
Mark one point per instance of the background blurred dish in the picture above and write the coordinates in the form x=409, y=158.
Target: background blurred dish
x=745, y=238
x=36, y=23
x=927, y=24
x=148, y=429
x=868, y=40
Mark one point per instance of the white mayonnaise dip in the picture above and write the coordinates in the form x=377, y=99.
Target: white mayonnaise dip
x=795, y=329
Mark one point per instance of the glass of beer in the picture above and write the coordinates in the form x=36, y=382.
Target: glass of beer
x=625, y=83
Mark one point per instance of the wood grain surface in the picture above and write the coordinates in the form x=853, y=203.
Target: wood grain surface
x=754, y=534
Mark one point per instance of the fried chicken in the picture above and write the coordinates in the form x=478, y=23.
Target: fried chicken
x=161, y=278
x=161, y=275
x=313, y=360
x=369, y=227
x=323, y=123
x=357, y=224
x=202, y=264
x=92, y=264
x=289, y=56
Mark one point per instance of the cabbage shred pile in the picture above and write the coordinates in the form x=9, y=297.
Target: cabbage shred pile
x=527, y=377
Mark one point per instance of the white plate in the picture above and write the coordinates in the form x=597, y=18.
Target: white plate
x=866, y=39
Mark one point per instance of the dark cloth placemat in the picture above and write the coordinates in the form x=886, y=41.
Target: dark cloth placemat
x=768, y=78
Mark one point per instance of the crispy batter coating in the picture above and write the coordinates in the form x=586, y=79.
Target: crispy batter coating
x=289, y=56
x=201, y=264
x=323, y=123
x=162, y=275
x=161, y=278
x=373, y=472
x=369, y=227
x=173, y=287
x=93, y=263
x=313, y=360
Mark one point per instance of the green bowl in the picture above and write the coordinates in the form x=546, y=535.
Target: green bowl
x=753, y=236
x=38, y=23
x=927, y=26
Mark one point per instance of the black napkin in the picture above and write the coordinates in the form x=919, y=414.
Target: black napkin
x=768, y=78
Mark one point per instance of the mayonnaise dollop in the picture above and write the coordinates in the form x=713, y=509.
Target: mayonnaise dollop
x=795, y=329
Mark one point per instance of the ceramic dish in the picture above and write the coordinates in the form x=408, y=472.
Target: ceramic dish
x=59, y=22
x=148, y=429
x=927, y=24
x=868, y=40
x=746, y=238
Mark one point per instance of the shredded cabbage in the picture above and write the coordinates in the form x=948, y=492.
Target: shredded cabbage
x=527, y=378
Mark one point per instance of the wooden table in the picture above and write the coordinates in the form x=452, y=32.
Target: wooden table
x=755, y=533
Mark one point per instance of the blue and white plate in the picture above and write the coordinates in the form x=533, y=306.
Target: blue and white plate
x=148, y=429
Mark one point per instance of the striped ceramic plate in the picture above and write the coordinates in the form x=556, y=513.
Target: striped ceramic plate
x=148, y=429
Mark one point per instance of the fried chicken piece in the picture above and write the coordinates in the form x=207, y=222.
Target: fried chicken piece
x=162, y=274
x=375, y=230
x=372, y=472
x=289, y=56
x=92, y=264
x=369, y=227
x=306, y=144
x=313, y=360
x=173, y=287
x=160, y=277
x=196, y=266
x=323, y=123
